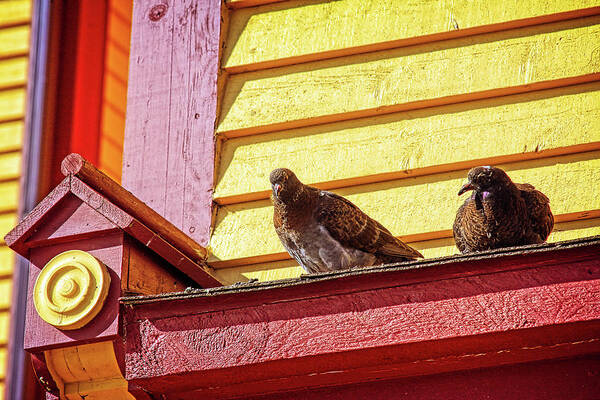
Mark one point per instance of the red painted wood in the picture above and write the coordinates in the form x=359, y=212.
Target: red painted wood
x=350, y=331
x=39, y=334
x=168, y=157
x=575, y=379
x=77, y=52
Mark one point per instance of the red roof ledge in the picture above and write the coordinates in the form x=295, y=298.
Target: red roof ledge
x=430, y=316
x=125, y=211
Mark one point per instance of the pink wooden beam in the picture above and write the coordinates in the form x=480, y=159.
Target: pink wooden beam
x=168, y=156
x=451, y=314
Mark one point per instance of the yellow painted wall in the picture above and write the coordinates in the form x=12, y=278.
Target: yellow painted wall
x=14, y=45
x=391, y=103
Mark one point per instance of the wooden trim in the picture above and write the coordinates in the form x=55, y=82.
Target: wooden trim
x=410, y=319
x=235, y=4
x=77, y=166
x=16, y=23
x=393, y=44
x=17, y=54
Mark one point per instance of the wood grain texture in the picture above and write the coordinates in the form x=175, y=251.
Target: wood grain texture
x=492, y=131
x=75, y=165
x=473, y=313
x=145, y=273
x=168, y=158
x=573, y=378
x=301, y=30
x=411, y=206
x=371, y=84
x=285, y=268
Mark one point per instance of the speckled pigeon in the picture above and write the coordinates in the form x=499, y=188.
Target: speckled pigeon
x=326, y=232
x=500, y=213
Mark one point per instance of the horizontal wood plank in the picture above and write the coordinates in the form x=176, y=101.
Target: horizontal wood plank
x=4, y=317
x=295, y=31
x=13, y=72
x=5, y=293
x=11, y=135
x=400, y=145
x=12, y=11
x=9, y=195
x=15, y=41
x=10, y=166
x=481, y=66
x=289, y=268
x=12, y=104
x=7, y=222
x=411, y=206
x=7, y=259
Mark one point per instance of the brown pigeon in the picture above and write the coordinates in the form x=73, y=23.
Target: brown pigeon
x=500, y=213
x=326, y=232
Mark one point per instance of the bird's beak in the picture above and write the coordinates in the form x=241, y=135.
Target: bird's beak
x=276, y=189
x=467, y=186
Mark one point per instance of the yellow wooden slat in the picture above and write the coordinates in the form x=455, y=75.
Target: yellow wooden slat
x=14, y=40
x=9, y=195
x=12, y=11
x=413, y=77
x=307, y=29
x=11, y=135
x=7, y=260
x=248, y=3
x=390, y=144
x=5, y=293
x=4, y=317
x=13, y=72
x=413, y=206
x=430, y=248
x=10, y=166
x=7, y=222
x=12, y=104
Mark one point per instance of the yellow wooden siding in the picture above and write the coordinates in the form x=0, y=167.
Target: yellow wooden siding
x=11, y=136
x=14, y=12
x=300, y=30
x=116, y=61
x=14, y=44
x=437, y=138
x=369, y=84
x=397, y=117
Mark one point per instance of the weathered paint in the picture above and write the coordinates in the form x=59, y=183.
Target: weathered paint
x=411, y=206
x=519, y=126
x=87, y=371
x=289, y=268
x=301, y=29
x=168, y=158
x=430, y=317
x=515, y=60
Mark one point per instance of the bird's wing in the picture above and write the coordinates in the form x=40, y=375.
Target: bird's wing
x=457, y=229
x=347, y=224
x=538, y=207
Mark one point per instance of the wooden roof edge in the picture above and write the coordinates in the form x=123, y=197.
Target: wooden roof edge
x=414, y=265
x=74, y=164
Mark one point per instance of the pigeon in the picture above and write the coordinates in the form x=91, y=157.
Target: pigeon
x=326, y=232
x=500, y=213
